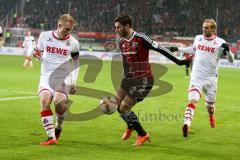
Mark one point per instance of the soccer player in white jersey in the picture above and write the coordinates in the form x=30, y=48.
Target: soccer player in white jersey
x=53, y=50
x=29, y=44
x=207, y=49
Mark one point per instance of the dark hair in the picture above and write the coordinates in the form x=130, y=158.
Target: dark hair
x=124, y=20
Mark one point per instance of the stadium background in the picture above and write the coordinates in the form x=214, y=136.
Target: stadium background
x=166, y=21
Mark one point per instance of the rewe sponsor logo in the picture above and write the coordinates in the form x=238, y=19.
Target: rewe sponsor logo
x=57, y=50
x=206, y=48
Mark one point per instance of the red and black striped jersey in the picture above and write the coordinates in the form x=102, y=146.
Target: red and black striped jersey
x=135, y=54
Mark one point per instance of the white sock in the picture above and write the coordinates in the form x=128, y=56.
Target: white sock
x=47, y=121
x=188, y=116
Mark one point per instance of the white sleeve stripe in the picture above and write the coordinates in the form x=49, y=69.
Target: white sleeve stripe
x=165, y=49
x=145, y=37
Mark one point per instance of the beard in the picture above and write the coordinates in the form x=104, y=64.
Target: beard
x=124, y=33
x=208, y=34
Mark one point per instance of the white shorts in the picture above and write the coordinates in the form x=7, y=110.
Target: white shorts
x=28, y=52
x=44, y=84
x=207, y=86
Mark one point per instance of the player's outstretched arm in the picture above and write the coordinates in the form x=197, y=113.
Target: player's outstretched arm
x=167, y=53
x=188, y=50
x=227, y=52
x=164, y=51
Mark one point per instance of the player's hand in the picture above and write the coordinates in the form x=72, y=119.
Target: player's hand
x=73, y=89
x=173, y=49
x=225, y=49
x=37, y=54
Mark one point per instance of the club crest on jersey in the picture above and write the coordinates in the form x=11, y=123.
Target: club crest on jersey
x=135, y=44
x=49, y=39
x=68, y=44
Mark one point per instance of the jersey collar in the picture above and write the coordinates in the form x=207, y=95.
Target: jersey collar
x=210, y=38
x=55, y=36
x=128, y=40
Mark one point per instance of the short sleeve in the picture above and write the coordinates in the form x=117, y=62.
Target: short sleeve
x=40, y=42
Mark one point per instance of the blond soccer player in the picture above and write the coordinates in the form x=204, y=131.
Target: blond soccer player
x=53, y=50
x=208, y=48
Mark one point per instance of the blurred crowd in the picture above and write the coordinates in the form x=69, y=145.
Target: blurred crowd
x=5, y=7
x=179, y=17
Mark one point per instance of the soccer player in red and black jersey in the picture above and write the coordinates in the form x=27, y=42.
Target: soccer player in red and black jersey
x=138, y=79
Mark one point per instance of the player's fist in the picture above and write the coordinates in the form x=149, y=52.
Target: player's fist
x=173, y=49
x=184, y=62
x=225, y=48
x=37, y=54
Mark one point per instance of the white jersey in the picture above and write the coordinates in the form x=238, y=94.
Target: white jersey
x=55, y=51
x=29, y=42
x=207, y=53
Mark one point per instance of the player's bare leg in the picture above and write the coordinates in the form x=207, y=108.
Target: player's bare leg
x=47, y=117
x=60, y=100
x=211, y=110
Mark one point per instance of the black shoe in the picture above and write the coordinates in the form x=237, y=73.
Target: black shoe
x=185, y=130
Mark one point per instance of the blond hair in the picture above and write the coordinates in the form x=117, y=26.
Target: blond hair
x=212, y=22
x=66, y=18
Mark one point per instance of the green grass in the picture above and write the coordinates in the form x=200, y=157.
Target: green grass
x=100, y=138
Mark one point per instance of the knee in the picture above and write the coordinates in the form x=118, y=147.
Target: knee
x=194, y=101
x=194, y=95
x=45, y=103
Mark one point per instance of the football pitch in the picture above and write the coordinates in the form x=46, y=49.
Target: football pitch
x=99, y=137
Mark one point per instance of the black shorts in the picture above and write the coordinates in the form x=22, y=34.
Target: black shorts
x=137, y=88
x=1, y=34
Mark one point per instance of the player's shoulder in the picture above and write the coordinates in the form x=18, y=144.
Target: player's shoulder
x=199, y=37
x=220, y=40
x=73, y=40
x=143, y=36
x=138, y=34
x=46, y=33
